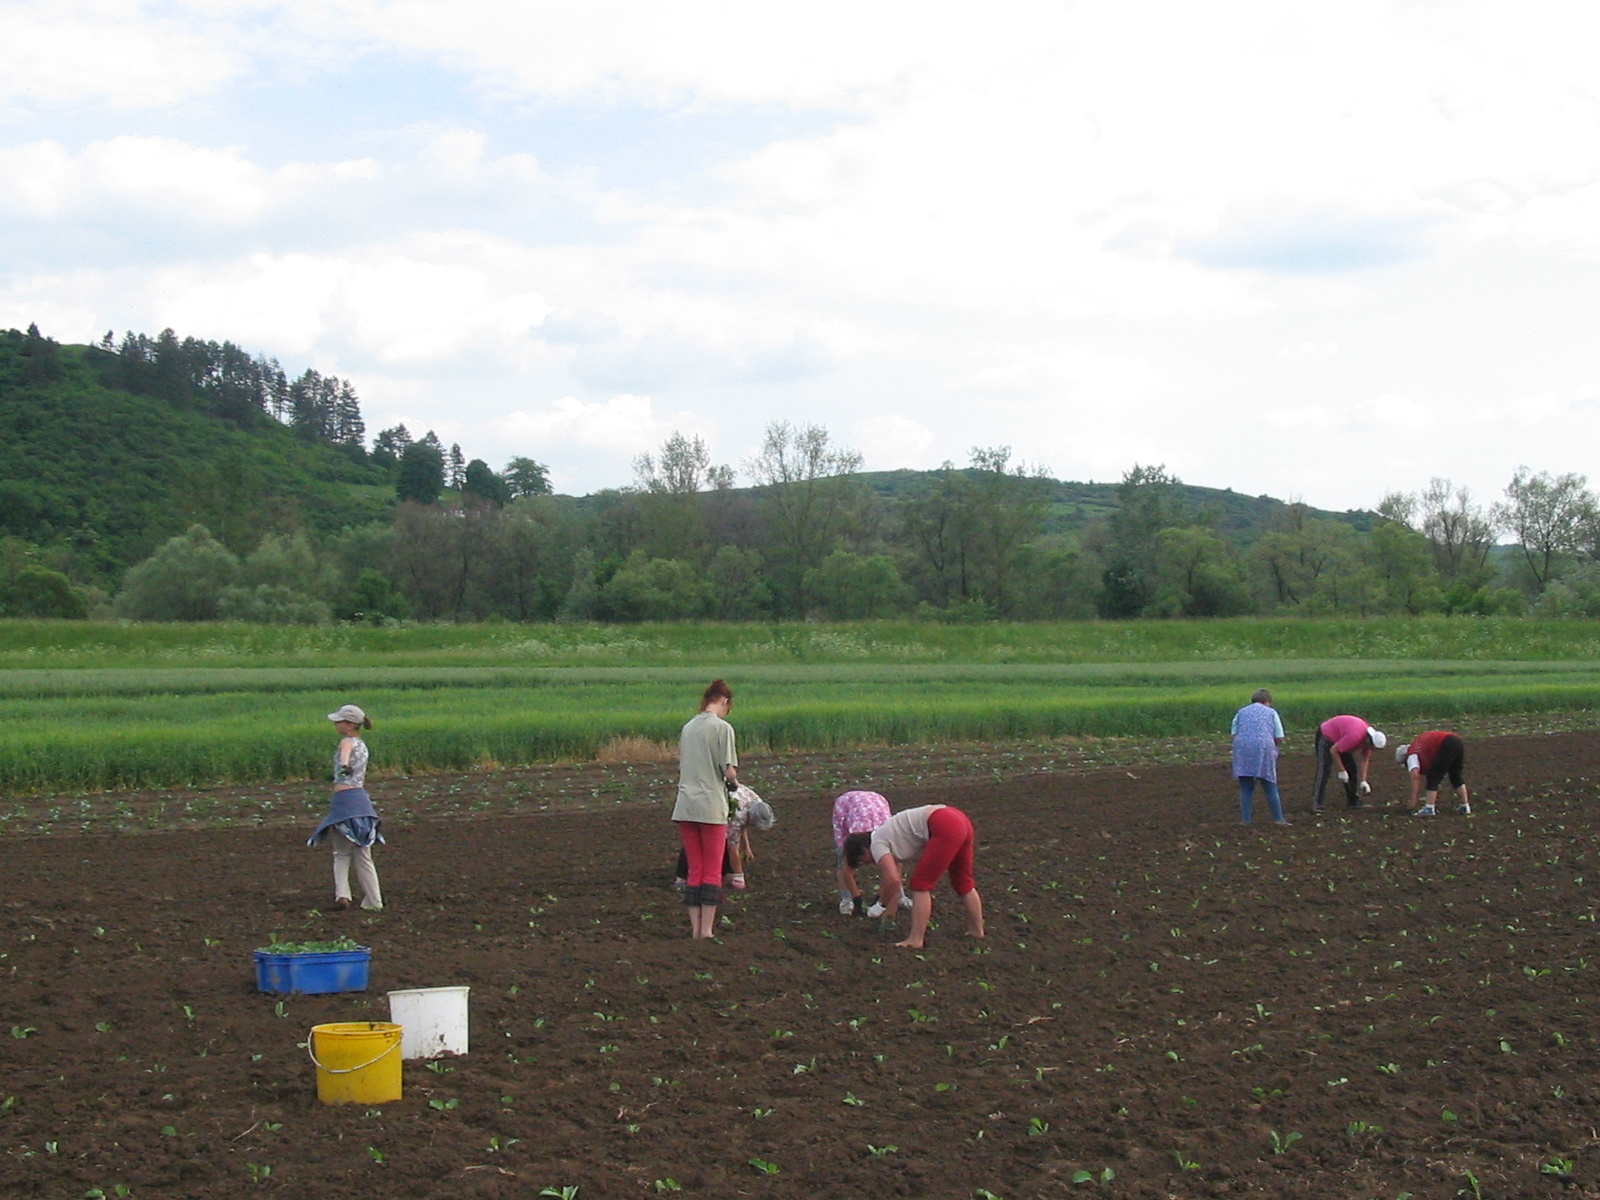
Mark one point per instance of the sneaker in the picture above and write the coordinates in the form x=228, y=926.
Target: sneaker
x=343, y=903
x=1427, y=810
x=1316, y=810
x=1464, y=809
x=1285, y=821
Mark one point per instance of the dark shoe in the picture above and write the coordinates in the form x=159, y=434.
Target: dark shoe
x=342, y=904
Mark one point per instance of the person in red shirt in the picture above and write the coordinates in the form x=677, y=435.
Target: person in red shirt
x=1344, y=746
x=1429, y=758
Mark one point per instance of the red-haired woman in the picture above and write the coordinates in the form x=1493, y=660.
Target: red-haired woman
x=707, y=762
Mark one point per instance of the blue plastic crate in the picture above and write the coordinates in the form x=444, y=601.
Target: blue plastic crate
x=309, y=974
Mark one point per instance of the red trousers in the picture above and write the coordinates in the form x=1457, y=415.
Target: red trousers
x=949, y=848
x=705, y=845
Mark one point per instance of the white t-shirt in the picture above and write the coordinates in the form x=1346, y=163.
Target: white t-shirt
x=904, y=834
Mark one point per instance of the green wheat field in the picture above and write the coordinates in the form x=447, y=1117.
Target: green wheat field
x=87, y=707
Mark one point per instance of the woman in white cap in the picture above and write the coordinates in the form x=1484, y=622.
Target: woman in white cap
x=1344, y=748
x=350, y=814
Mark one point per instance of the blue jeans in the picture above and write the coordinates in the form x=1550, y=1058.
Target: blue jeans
x=1247, y=791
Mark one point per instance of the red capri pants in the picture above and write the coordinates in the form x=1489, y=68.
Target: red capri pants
x=704, y=845
x=950, y=844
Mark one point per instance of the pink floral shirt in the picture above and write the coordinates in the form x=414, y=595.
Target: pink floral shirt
x=858, y=812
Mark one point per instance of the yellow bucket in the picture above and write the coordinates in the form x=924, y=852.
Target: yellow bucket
x=358, y=1062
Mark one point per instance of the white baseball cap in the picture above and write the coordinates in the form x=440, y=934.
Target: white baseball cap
x=1379, y=738
x=349, y=713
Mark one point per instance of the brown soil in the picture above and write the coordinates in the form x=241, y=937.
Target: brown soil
x=1161, y=993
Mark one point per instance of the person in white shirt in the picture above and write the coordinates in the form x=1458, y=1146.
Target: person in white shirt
x=940, y=839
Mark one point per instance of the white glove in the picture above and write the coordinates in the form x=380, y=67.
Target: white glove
x=877, y=910
x=1365, y=789
x=905, y=900
x=1344, y=776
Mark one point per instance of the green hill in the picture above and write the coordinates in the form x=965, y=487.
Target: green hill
x=106, y=451
x=1075, y=506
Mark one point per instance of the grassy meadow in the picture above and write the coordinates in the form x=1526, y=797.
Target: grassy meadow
x=76, y=645
x=90, y=707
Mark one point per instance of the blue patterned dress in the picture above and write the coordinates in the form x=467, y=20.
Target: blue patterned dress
x=1255, y=749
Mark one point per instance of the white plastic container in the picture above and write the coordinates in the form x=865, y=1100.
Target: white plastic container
x=433, y=1020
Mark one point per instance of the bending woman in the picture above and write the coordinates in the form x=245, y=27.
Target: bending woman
x=941, y=839
x=707, y=762
x=350, y=814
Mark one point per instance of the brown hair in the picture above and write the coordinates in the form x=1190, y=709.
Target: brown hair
x=366, y=722
x=855, y=848
x=1262, y=696
x=719, y=690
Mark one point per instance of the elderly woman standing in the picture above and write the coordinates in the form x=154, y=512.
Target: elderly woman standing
x=351, y=818
x=1257, y=734
x=707, y=759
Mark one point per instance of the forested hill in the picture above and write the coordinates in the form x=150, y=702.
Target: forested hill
x=111, y=449
x=108, y=450
x=1073, y=507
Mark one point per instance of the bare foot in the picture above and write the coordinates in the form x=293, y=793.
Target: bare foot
x=910, y=945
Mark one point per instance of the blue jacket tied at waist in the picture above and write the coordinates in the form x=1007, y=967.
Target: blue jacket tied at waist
x=352, y=814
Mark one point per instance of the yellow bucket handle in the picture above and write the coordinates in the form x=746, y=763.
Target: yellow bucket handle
x=394, y=1045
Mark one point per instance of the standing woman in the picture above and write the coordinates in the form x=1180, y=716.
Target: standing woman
x=351, y=816
x=707, y=760
x=1257, y=734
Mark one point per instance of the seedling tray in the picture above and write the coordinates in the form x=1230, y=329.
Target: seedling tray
x=313, y=974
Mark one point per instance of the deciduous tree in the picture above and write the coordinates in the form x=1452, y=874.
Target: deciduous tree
x=1548, y=516
x=809, y=496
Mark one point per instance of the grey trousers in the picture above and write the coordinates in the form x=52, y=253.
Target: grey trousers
x=346, y=853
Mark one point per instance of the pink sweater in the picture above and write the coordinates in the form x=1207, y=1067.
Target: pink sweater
x=1346, y=733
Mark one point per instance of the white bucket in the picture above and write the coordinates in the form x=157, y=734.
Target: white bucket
x=433, y=1021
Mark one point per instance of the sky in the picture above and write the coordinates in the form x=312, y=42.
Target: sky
x=1320, y=251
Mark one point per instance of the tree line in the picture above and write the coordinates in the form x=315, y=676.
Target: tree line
x=810, y=540
x=262, y=501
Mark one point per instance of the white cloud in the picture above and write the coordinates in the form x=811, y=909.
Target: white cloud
x=624, y=423
x=176, y=180
x=429, y=305
x=113, y=52
x=889, y=441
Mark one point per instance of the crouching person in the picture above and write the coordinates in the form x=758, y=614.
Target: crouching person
x=1430, y=758
x=856, y=814
x=939, y=838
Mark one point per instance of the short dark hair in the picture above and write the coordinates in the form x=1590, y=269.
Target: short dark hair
x=1262, y=696
x=719, y=690
x=856, y=847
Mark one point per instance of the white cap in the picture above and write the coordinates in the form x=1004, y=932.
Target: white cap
x=1379, y=738
x=349, y=713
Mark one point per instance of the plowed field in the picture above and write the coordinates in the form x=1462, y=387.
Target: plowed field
x=1361, y=1005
